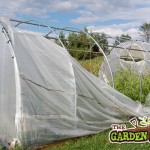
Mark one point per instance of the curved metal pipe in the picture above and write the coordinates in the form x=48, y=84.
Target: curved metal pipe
x=90, y=50
x=45, y=25
x=140, y=75
x=124, y=48
x=100, y=50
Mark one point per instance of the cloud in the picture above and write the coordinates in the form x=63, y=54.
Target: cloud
x=132, y=24
x=86, y=17
x=42, y=8
x=107, y=30
x=137, y=14
x=85, y=12
x=134, y=33
x=62, y=6
x=106, y=10
x=98, y=10
x=35, y=7
x=117, y=30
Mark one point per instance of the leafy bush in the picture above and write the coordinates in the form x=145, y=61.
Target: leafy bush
x=125, y=81
x=128, y=83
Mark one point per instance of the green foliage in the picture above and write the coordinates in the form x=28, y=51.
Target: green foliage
x=79, y=41
x=125, y=81
x=62, y=38
x=145, y=29
x=122, y=38
x=18, y=147
x=83, y=43
x=101, y=39
x=92, y=65
x=128, y=83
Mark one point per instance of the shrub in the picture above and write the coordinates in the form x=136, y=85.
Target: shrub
x=128, y=83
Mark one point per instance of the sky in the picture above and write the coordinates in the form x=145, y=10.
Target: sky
x=114, y=17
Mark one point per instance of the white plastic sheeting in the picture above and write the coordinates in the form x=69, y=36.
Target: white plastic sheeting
x=136, y=57
x=46, y=96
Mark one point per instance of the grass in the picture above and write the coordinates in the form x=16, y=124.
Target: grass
x=129, y=84
x=96, y=142
x=92, y=65
x=99, y=142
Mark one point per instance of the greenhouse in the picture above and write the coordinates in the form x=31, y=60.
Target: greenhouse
x=47, y=96
x=133, y=55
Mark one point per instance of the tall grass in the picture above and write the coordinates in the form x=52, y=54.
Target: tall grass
x=131, y=85
x=92, y=65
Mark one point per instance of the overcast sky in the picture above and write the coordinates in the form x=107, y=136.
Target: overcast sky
x=114, y=17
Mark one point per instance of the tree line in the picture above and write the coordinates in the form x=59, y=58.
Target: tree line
x=81, y=42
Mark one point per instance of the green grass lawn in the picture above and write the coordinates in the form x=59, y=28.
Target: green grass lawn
x=99, y=142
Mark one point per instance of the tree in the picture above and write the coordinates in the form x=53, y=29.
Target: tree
x=79, y=44
x=101, y=40
x=122, y=38
x=145, y=31
x=62, y=38
x=78, y=41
